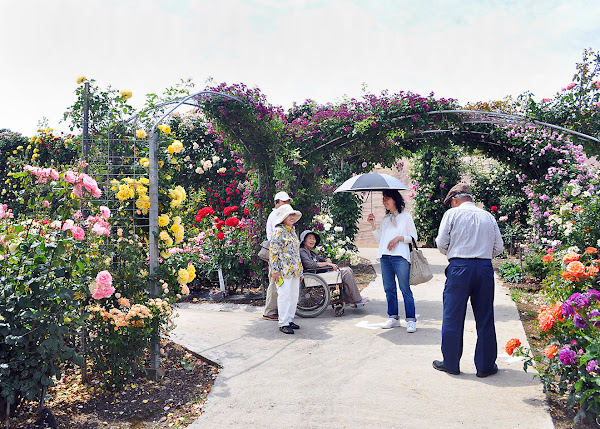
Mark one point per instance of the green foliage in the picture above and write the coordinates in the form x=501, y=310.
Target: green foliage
x=576, y=106
x=44, y=280
x=510, y=272
x=534, y=266
x=434, y=171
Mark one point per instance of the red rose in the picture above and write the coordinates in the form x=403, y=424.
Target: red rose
x=246, y=212
x=220, y=235
x=494, y=208
x=232, y=221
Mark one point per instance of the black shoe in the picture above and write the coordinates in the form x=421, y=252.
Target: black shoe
x=439, y=365
x=484, y=374
x=294, y=326
x=286, y=329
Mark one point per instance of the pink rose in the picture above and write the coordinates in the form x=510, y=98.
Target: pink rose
x=96, y=192
x=103, y=278
x=100, y=229
x=78, y=233
x=105, y=211
x=103, y=291
x=71, y=177
x=77, y=190
x=89, y=183
x=46, y=204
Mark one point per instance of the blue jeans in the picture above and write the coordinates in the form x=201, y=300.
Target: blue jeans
x=393, y=267
x=469, y=279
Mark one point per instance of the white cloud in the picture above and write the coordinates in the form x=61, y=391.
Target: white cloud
x=293, y=50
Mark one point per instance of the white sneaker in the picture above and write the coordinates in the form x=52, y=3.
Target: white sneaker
x=391, y=323
x=411, y=326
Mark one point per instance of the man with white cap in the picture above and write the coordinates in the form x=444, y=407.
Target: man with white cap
x=270, y=313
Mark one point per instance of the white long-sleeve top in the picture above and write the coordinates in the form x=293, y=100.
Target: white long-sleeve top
x=405, y=227
x=271, y=223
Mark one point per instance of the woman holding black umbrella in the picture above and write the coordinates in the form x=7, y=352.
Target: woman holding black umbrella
x=397, y=230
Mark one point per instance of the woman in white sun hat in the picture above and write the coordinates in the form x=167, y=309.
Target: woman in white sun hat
x=286, y=266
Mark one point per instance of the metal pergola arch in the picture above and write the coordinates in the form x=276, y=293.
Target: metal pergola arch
x=469, y=117
x=153, y=194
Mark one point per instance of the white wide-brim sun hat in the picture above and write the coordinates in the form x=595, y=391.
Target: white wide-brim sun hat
x=284, y=211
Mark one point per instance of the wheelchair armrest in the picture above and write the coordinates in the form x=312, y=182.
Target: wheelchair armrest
x=319, y=270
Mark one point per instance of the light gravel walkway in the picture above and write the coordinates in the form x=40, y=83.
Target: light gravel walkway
x=347, y=372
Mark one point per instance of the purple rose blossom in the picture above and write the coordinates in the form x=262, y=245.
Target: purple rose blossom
x=578, y=300
x=592, y=366
x=567, y=310
x=594, y=318
x=579, y=322
x=567, y=356
x=593, y=294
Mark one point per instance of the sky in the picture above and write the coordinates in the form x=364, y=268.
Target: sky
x=293, y=50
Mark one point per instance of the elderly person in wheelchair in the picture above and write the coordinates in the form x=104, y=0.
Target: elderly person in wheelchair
x=315, y=263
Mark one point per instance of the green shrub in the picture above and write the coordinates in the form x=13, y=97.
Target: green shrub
x=535, y=267
x=510, y=272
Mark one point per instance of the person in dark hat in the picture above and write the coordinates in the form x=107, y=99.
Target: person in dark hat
x=311, y=261
x=470, y=238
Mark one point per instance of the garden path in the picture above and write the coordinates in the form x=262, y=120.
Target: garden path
x=346, y=372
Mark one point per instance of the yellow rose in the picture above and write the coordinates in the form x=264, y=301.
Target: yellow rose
x=163, y=220
x=181, y=191
x=141, y=190
x=164, y=235
x=171, y=149
x=145, y=162
x=191, y=276
x=165, y=128
x=183, y=277
x=179, y=234
x=176, y=227
x=177, y=220
x=177, y=146
x=143, y=203
x=161, y=163
x=144, y=181
x=81, y=79
x=141, y=134
x=165, y=255
x=126, y=94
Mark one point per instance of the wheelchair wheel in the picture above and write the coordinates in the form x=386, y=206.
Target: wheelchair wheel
x=339, y=310
x=314, y=296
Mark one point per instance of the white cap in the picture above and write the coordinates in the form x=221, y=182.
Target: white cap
x=282, y=196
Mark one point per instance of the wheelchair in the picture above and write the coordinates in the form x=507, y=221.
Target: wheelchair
x=318, y=290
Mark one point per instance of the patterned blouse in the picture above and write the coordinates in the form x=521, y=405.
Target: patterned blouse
x=284, y=252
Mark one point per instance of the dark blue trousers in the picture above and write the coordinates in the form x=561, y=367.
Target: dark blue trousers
x=474, y=279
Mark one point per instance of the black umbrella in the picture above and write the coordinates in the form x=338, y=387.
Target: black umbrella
x=371, y=182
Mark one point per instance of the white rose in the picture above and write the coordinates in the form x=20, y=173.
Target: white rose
x=327, y=226
x=338, y=229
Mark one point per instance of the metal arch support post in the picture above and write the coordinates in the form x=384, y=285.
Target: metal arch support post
x=155, y=371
